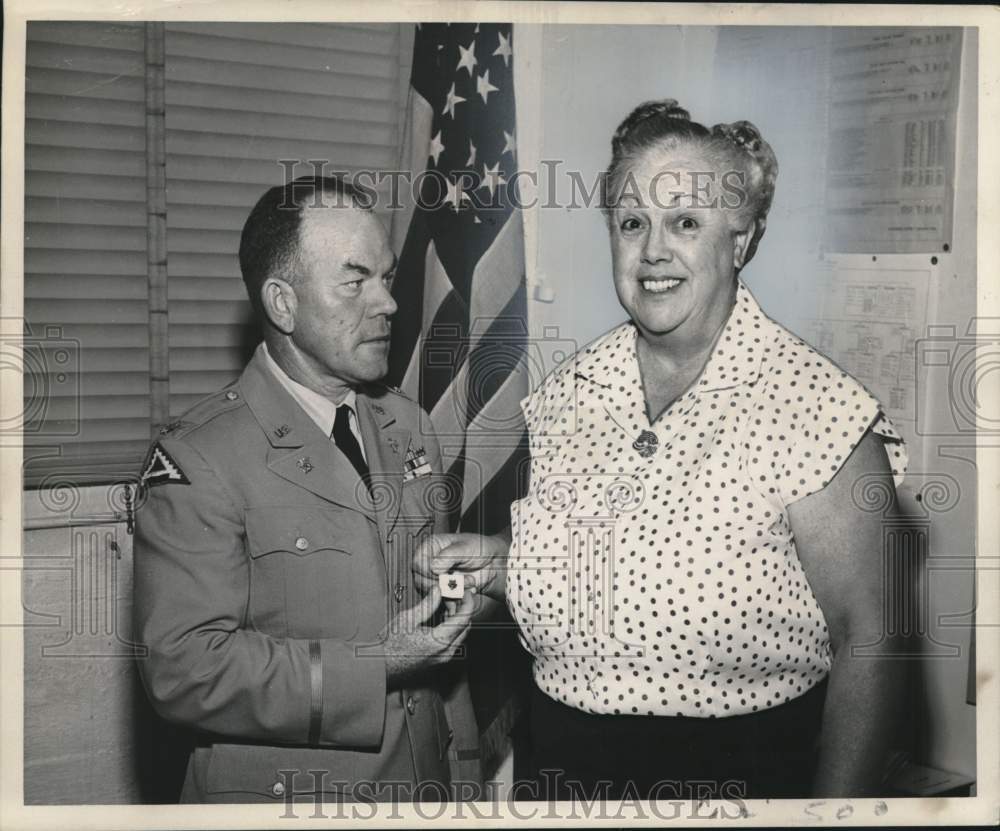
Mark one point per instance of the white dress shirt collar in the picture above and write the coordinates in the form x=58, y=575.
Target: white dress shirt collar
x=319, y=408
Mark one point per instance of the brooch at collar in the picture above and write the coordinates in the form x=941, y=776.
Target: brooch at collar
x=647, y=444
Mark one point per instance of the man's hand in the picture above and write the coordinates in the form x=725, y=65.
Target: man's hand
x=482, y=561
x=412, y=647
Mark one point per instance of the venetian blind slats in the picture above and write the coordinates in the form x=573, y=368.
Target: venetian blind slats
x=240, y=98
x=86, y=343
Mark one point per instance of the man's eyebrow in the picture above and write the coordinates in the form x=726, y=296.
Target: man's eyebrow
x=363, y=270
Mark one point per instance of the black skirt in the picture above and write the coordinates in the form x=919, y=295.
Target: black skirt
x=578, y=755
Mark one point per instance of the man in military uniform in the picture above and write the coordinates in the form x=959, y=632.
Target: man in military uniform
x=275, y=540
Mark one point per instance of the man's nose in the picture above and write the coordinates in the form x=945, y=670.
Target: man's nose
x=383, y=302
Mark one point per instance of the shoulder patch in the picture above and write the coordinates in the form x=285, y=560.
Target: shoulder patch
x=161, y=469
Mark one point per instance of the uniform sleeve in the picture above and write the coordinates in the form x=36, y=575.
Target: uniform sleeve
x=823, y=415
x=206, y=667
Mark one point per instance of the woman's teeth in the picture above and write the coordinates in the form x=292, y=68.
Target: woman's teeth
x=660, y=285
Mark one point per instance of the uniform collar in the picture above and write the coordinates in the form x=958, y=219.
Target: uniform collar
x=318, y=407
x=283, y=418
x=303, y=454
x=735, y=359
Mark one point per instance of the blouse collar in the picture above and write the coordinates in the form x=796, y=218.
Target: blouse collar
x=735, y=359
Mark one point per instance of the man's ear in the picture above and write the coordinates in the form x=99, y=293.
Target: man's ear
x=280, y=303
x=741, y=243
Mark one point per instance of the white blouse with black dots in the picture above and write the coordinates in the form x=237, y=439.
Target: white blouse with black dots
x=660, y=577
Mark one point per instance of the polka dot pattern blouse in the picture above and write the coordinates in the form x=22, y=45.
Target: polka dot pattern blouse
x=661, y=577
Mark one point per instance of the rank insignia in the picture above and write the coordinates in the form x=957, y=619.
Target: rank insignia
x=305, y=465
x=161, y=469
x=173, y=425
x=415, y=464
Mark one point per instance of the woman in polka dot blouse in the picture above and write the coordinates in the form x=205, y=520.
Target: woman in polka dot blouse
x=692, y=563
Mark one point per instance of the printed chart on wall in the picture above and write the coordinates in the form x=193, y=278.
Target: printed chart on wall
x=870, y=320
x=893, y=98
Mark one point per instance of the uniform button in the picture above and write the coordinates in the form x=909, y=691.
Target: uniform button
x=278, y=788
x=232, y=396
x=411, y=705
x=302, y=543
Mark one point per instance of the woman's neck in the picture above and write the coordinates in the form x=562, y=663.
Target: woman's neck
x=681, y=349
x=669, y=365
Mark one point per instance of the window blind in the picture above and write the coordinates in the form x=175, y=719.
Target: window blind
x=238, y=98
x=85, y=354
x=241, y=97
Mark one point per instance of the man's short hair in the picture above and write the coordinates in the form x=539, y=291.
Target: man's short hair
x=269, y=244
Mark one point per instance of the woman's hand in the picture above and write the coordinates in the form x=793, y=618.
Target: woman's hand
x=482, y=561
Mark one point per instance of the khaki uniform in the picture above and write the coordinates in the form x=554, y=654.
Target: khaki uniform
x=264, y=575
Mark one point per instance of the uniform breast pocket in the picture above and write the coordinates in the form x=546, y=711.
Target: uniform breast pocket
x=308, y=570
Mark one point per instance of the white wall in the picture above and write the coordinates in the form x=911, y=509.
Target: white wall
x=592, y=76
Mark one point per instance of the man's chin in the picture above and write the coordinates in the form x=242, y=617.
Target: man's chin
x=373, y=372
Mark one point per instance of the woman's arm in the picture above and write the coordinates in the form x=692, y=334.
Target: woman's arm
x=842, y=552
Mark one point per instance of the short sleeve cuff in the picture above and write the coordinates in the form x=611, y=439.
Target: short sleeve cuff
x=821, y=451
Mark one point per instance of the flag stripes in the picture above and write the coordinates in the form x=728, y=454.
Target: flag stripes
x=460, y=336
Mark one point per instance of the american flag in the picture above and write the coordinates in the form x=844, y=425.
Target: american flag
x=460, y=335
x=459, y=338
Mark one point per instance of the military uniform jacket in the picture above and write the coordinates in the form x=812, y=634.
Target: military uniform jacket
x=265, y=572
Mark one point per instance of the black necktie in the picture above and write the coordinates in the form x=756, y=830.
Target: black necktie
x=344, y=439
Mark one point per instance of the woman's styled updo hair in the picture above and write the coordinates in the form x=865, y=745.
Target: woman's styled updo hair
x=739, y=145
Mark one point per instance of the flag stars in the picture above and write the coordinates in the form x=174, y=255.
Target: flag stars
x=504, y=50
x=455, y=195
x=492, y=178
x=484, y=87
x=467, y=58
x=451, y=102
x=508, y=143
x=437, y=147
x=469, y=162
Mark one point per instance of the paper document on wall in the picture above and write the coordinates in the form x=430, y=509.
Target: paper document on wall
x=893, y=99
x=869, y=323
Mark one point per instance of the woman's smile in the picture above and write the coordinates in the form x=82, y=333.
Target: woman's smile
x=662, y=285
